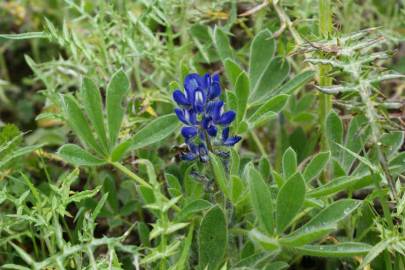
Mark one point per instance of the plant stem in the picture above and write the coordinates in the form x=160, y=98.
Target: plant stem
x=325, y=101
x=258, y=143
x=130, y=174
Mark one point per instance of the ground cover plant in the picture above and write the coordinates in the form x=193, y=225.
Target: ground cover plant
x=202, y=134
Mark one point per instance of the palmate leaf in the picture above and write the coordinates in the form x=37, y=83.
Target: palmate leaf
x=155, y=131
x=93, y=106
x=107, y=125
x=76, y=155
x=80, y=125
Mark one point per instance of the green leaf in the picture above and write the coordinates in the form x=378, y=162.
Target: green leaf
x=323, y=223
x=392, y=142
x=376, y=250
x=185, y=252
x=277, y=266
x=363, y=160
x=356, y=137
x=93, y=106
x=79, y=124
x=18, y=153
x=232, y=70
x=348, y=249
x=261, y=52
x=289, y=162
x=242, y=94
x=212, y=239
x=260, y=198
x=268, y=243
x=222, y=44
x=193, y=207
x=155, y=131
x=231, y=100
x=296, y=83
x=334, y=132
x=235, y=161
x=237, y=188
x=220, y=176
x=23, y=254
x=316, y=166
x=117, y=91
x=77, y=156
x=271, y=78
x=272, y=106
x=340, y=184
x=28, y=35
x=289, y=201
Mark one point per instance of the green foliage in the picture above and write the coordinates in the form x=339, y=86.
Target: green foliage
x=91, y=175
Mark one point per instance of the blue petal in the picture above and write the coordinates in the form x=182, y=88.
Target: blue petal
x=212, y=131
x=199, y=102
x=180, y=114
x=215, y=78
x=227, y=118
x=180, y=98
x=205, y=81
x=214, y=91
x=188, y=156
x=189, y=132
x=193, y=148
x=192, y=117
x=205, y=122
x=203, y=152
x=191, y=82
x=232, y=141
x=225, y=134
x=215, y=109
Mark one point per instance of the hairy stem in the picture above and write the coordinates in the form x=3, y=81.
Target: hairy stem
x=325, y=101
x=130, y=174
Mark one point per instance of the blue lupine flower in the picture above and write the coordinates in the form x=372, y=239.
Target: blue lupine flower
x=202, y=113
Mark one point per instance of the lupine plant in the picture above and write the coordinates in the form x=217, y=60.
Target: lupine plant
x=206, y=135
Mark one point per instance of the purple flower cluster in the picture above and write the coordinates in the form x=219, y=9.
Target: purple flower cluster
x=202, y=113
